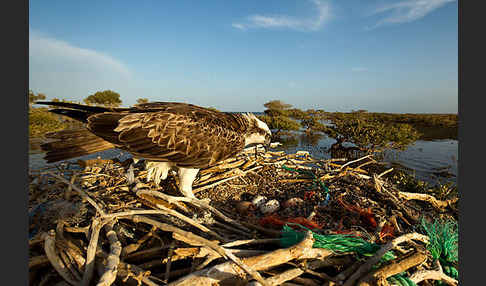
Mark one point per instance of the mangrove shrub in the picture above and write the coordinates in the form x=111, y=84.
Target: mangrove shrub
x=105, y=98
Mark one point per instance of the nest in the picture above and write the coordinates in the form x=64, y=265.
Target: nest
x=99, y=222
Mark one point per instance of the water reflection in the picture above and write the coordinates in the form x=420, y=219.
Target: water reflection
x=437, y=133
x=430, y=160
x=287, y=140
x=311, y=138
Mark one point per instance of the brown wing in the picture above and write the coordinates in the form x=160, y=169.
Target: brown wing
x=185, y=134
x=67, y=144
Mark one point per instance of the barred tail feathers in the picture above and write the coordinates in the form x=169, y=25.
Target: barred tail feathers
x=68, y=144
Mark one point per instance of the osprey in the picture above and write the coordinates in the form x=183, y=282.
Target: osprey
x=167, y=134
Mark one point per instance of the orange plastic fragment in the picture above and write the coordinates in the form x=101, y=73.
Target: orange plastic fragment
x=272, y=220
x=387, y=230
x=366, y=215
x=277, y=221
x=305, y=222
x=309, y=194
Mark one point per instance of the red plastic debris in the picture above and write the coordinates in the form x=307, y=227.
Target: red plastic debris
x=387, y=230
x=275, y=220
x=366, y=215
x=309, y=194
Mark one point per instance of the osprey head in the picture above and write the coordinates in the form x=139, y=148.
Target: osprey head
x=257, y=132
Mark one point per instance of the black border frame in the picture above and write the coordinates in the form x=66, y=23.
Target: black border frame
x=16, y=22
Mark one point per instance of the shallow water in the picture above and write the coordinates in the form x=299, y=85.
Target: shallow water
x=430, y=160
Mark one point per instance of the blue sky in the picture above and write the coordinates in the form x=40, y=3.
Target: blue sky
x=379, y=55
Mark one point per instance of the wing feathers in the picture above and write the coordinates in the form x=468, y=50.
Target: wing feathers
x=178, y=138
x=185, y=134
x=73, y=143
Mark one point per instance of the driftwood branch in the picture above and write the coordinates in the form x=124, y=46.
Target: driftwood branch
x=96, y=226
x=189, y=235
x=296, y=272
x=251, y=241
x=385, y=172
x=386, y=271
x=241, y=173
x=197, y=203
x=190, y=221
x=133, y=247
x=354, y=161
x=390, y=197
x=363, y=269
x=427, y=198
x=302, y=250
x=437, y=274
x=80, y=192
x=54, y=259
x=126, y=271
x=113, y=258
x=38, y=261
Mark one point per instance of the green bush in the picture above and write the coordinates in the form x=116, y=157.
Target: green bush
x=372, y=135
x=277, y=116
x=105, y=98
x=41, y=122
x=312, y=124
x=280, y=122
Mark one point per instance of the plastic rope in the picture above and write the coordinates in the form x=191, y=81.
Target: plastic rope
x=334, y=242
x=401, y=280
x=443, y=244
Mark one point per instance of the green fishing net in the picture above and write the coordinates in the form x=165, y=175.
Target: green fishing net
x=443, y=244
x=340, y=243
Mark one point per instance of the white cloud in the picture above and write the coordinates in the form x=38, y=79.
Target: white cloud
x=407, y=11
x=292, y=84
x=57, y=67
x=289, y=22
x=359, y=69
x=238, y=26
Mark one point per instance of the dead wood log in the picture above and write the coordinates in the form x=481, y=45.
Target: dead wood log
x=38, y=261
x=190, y=221
x=391, y=198
x=54, y=259
x=129, y=249
x=144, y=254
x=437, y=274
x=202, y=241
x=197, y=203
x=80, y=192
x=251, y=241
x=427, y=198
x=291, y=274
x=302, y=250
x=380, y=275
x=96, y=226
x=113, y=259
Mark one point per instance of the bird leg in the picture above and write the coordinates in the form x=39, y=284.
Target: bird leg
x=157, y=171
x=130, y=175
x=186, y=178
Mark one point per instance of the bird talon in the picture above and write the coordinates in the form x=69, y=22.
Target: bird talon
x=157, y=171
